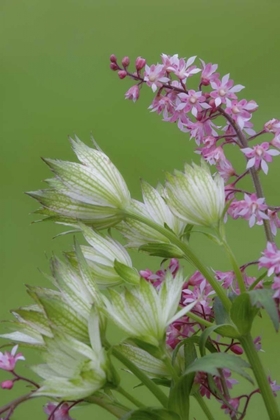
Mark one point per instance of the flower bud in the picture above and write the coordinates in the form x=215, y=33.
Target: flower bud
x=113, y=58
x=140, y=63
x=7, y=384
x=114, y=66
x=132, y=93
x=122, y=74
x=125, y=61
x=236, y=349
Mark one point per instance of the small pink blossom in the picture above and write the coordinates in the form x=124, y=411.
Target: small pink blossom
x=240, y=111
x=208, y=73
x=154, y=76
x=157, y=278
x=201, y=128
x=8, y=359
x=225, y=169
x=212, y=154
x=259, y=155
x=62, y=413
x=181, y=68
x=7, y=384
x=272, y=126
x=232, y=410
x=270, y=259
x=273, y=385
x=251, y=208
x=227, y=278
x=276, y=286
x=192, y=101
x=274, y=221
x=258, y=343
x=201, y=293
x=132, y=93
x=140, y=63
x=224, y=89
x=276, y=140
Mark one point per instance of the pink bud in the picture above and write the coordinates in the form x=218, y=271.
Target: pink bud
x=236, y=349
x=122, y=74
x=204, y=81
x=7, y=384
x=140, y=63
x=114, y=66
x=113, y=58
x=125, y=61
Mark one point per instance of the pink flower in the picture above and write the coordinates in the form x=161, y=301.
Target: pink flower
x=272, y=126
x=62, y=413
x=227, y=277
x=157, y=278
x=258, y=343
x=200, y=129
x=276, y=140
x=232, y=410
x=259, y=155
x=8, y=359
x=154, y=76
x=181, y=68
x=224, y=89
x=208, y=73
x=192, y=101
x=225, y=169
x=251, y=208
x=276, y=287
x=270, y=259
x=212, y=154
x=273, y=386
x=274, y=221
x=241, y=111
x=132, y=93
x=201, y=292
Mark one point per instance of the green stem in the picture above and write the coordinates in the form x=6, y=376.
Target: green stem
x=165, y=357
x=117, y=409
x=203, y=406
x=199, y=320
x=261, y=377
x=129, y=397
x=189, y=256
x=162, y=398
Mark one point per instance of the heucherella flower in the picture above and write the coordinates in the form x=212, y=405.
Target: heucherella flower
x=8, y=359
x=144, y=312
x=251, y=208
x=270, y=259
x=73, y=370
x=101, y=256
x=155, y=209
x=60, y=413
x=224, y=90
x=92, y=191
x=195, y=196
x=259, y=155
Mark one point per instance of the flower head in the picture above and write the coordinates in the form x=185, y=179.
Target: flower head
x=92, y=191
x=195, y=196
x=8, y=359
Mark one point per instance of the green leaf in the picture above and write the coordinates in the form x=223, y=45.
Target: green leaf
x=243, y=313
x=223, y=321
x=162, y=250
x=128, y=274
x=179, y=398
x=151, y=414
x=215, y=361
x=264, y=298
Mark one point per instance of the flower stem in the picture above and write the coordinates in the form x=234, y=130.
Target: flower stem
x=162, y=398
x=129, y=397
x=199, y=320
x=261, y=377
x=203, y=406
x=189, y=255
x=118, y=410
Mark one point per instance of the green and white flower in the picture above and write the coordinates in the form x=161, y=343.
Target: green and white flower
x=155, y=209
x=101, y=256
x=195, y=196
x=92, y=191
x=73, y=370
x=145, y=313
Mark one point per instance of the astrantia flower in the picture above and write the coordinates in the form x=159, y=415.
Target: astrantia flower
x=195, y=196
x=92, y=191
x=144, y=312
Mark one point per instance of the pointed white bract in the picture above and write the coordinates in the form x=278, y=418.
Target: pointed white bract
x=143, y=312
x=92, y=191
x=195, y=196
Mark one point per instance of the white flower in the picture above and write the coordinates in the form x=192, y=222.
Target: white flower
x=93, y=191
x=143, y=312
x=195, y=196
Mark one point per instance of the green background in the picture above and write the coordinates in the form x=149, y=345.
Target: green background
x=55, y=81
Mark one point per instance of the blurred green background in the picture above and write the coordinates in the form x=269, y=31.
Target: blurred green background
x=55, y=81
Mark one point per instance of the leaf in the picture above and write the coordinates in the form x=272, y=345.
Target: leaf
x=264, y=298
x=223, y=321
x=179, y=398
x=128, y=274
x=215, y=361
x=151, y=414
x=162, y=250
x=243, y=313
